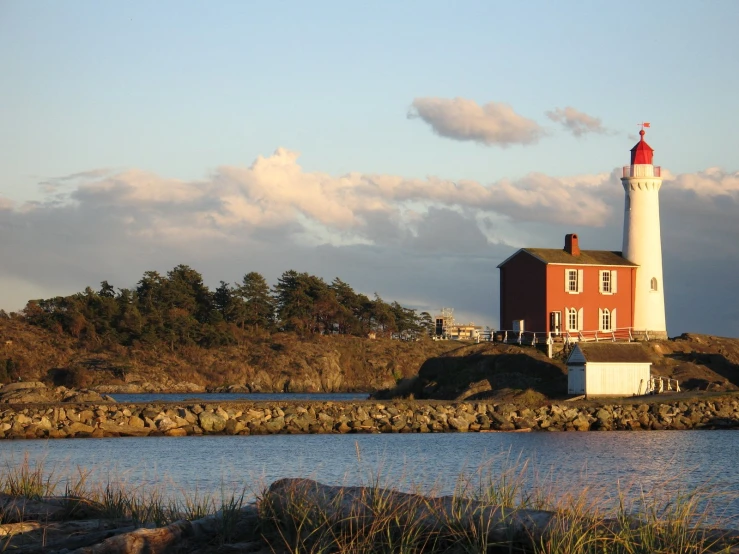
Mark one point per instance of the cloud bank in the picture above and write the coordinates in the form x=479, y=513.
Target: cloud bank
x=424, y=242
x=492, y=124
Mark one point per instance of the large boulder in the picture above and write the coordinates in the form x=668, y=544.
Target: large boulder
x=29, y=392
x=475, y=389
x=332, y=376
x=35, y=392
x=85, y=395
x=22, y=385
x=211, y=423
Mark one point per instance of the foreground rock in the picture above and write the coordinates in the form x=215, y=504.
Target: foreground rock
x=51, y=527
x=262, y=418
x=372, y=515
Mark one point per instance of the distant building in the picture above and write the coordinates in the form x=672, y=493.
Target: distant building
x=576, y=292
x=467, y=331
x=446, y=327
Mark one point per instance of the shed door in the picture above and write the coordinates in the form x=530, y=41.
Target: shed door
x=576, y=379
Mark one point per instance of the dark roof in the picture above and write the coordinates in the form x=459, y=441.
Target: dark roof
x=586, y=257
x=614, y=352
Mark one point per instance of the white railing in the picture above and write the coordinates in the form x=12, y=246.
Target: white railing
x=614, y=335
x=541, y=337
x=621, y=334
x=523, y=337
x=657, y=385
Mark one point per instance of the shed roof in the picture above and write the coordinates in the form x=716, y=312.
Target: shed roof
x=612, y=352
x=587, y=257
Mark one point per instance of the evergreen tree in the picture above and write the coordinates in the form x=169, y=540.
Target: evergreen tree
x=178, y=309
x=292, y=303
x=350, y=307
x=225, y=301
x=426, y=323
x=257, y=306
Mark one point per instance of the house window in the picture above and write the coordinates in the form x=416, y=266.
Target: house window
x=653, y=284
x=608, y=282
x=605, y=320
x=573, y=281
x=572, y=320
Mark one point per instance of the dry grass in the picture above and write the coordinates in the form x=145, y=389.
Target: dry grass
x=492, y=513
x=116, y=499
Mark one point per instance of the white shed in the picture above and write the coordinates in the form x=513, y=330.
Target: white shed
x=608, y=369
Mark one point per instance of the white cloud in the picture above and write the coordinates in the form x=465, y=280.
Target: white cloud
x=276, y=193
x=713, y=181
x=494, y=123
x=576, y=122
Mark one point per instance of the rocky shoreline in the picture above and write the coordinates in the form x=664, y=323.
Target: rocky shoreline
x=260, y=418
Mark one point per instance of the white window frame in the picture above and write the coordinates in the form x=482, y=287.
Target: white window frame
x=607, y=319
x=573, y=316
x=573, y=286
x=607, y=281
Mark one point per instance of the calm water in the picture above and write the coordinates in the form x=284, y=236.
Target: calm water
x=564, y=462
x=228, y=397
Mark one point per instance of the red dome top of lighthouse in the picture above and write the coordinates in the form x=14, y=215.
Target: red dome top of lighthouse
x=642, y=153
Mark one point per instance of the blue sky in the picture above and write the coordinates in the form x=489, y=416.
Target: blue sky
x=178, y=90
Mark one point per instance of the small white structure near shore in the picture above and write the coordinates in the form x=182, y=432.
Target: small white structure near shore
x=608, y=369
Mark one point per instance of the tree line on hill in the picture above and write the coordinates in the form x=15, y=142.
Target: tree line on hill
x=179, y=309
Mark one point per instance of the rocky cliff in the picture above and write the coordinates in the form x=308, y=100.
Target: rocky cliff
x=280, y=362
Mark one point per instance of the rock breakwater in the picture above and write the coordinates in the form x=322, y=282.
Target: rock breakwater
x=259, y=418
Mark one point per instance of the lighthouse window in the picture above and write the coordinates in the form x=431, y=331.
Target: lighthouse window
x=653, y=284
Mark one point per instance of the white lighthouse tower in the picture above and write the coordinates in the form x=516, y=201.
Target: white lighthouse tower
x=642, y=243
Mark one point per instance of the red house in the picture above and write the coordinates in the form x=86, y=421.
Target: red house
x=546, y=290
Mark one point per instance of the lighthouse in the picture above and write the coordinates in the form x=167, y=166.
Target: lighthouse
x=642, y=243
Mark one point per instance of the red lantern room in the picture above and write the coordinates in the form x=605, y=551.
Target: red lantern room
x=642, y=153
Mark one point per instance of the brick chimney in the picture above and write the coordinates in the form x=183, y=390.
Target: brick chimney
x=571, y=245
